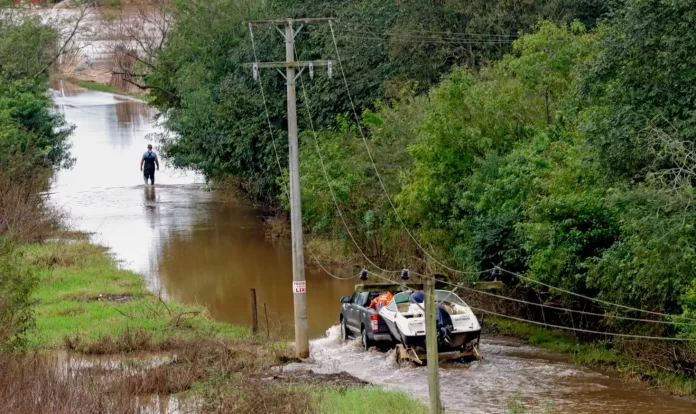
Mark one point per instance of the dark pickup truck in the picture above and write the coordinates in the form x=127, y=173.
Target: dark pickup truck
x=357, y=318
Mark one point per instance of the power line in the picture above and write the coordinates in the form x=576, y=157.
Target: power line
x=423, y=39
x=429, y=32
x=567, y=328
x=326, y=271
x=573, y=310
x=265, y=107
x=374, y=166
x=277, y=157
x=615, y=334
x=604, y=315
x=594, y=299
x=327, y=178
x=328, y=181
x=341, y=215
x=560, y=326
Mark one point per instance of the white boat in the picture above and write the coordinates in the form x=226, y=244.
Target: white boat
x=457, y=327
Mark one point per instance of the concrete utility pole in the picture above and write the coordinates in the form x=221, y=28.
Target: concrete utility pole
x=431, y=348
x=299, y=284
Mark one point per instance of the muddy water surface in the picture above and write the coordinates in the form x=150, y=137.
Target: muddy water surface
x=198, y=246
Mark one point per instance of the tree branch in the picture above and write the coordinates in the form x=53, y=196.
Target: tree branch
x=83, y=13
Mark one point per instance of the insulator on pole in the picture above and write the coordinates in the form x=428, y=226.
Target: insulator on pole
x=329, y=68
x=311, y=70
x=255, y=71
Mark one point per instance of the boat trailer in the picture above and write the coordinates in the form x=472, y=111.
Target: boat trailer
x=407, y=353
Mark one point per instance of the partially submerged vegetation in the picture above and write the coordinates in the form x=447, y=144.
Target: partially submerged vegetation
x=632, y=360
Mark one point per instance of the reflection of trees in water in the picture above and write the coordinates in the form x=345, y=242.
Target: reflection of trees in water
x=132, y=112
x=220, y=259
x=65, y=88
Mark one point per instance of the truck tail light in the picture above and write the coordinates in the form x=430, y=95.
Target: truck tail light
x=374, y=322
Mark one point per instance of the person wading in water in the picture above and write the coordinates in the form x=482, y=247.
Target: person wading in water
x=149, y=161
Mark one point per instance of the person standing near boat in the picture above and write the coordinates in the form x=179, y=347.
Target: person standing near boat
x=148, y=163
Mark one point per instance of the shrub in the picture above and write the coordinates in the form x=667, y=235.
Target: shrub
x=15, y=302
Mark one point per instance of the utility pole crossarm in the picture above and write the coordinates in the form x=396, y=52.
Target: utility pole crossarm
x=297, y=64
x=276, y=22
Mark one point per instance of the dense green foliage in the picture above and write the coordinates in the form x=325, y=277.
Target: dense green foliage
x=33, y=142
x=29, y=130
x=643, y=83
x=567, y=156
x=215, y=111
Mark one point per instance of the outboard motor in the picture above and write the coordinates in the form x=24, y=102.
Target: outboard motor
x=444, y=326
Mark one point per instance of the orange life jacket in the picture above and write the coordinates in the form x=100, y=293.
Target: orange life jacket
x=381, y=300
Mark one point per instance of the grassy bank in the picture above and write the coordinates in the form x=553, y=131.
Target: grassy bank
x=85, y=303
x=601, y=354
x=96, y=86
x=82, y=294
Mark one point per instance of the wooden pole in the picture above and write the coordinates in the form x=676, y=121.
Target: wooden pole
x=299, y=283
x=298, y=268
x=254, y=315
x=268, y=329
x=431, y=348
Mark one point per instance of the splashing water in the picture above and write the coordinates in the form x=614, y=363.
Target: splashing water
x=509, y=370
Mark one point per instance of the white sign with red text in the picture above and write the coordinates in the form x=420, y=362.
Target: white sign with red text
x=299, y=286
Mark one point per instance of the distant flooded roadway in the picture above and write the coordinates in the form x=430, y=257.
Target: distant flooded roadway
x=199, y=246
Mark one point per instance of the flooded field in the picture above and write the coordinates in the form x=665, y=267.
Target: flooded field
x=199, y=246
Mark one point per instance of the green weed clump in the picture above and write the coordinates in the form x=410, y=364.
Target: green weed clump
x=515, y=405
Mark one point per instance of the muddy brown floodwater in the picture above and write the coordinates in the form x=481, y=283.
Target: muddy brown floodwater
x=197, y=246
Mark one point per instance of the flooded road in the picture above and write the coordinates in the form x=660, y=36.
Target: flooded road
x=510, y=372
x=203, y=247
x=191, y=244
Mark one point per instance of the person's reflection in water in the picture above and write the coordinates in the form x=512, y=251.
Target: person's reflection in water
x=150, y=196
x=151, y=207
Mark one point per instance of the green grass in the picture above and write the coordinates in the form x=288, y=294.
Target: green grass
x=543, y=338
x=367, y=400
x=71, y=276
x=103, y=88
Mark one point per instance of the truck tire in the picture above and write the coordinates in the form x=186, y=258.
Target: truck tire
x=344, y=330
x=367, y=343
